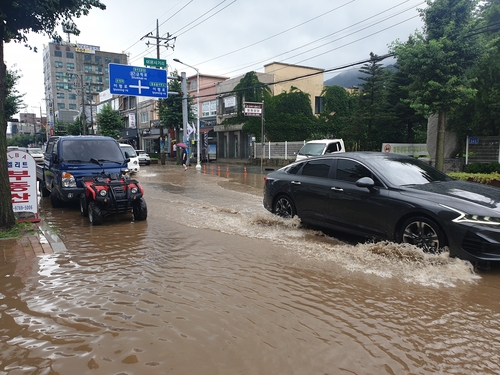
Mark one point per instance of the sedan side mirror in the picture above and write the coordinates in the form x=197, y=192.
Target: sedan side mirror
x=365, y=182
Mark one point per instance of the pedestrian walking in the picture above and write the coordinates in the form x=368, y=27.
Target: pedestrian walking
x=184, y=158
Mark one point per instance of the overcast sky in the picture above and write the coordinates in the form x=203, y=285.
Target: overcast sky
x=231, y=37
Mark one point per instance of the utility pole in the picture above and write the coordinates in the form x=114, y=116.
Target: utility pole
x=166, y=43
x=84, y=122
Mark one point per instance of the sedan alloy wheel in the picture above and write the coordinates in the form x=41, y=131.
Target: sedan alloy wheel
x=422, y=232
x=284, y=207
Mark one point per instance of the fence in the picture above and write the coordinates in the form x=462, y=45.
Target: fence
x=482, y=150
x=277, y=150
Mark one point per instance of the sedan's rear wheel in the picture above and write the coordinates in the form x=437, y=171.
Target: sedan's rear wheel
x=284, y=207
x=424, y=233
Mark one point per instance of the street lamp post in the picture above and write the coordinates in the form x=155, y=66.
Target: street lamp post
x=198, y=165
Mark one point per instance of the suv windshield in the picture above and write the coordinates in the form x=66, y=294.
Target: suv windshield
x=130, y=150
x=83, y=150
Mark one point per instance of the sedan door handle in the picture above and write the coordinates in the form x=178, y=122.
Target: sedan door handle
x=296, y=182
x=336, y=189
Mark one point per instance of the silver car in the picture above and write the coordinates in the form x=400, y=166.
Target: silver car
x=37, y=154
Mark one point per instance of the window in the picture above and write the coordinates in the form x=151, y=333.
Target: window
x=88, y=78
x=351, y=171
x=209, y=108
x=319, y=103
x=70, y=66
x=58, y=53
x=98, y=59
x=317, y=168
x=58, y=64
x=88, y=68
x=60, y=95
x=72, y=106
x=116, y=61
x=70, y=55
x=98, y=79
x=61, y=105
x=144, y=117
x=59, y=75
x=107, y=60
x=60, y=85
x=87, y=58
x=72, y=96
x=98, y=69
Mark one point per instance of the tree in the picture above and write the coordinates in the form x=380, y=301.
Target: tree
x=170, y=109
x=339, y=116
x=406, y=126
x=17, y=19
x=437, y=62
x=373, y=106
x=289, y=116
x=75, y=127
x=109, y=122
x=481, y=116
x=14, y=100
x=249, y=89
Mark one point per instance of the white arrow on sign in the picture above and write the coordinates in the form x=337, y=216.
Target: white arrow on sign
x=139, y=86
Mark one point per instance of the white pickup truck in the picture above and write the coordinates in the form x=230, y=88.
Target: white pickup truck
x=320, y=147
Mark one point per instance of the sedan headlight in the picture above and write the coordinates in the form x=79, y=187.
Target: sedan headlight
x=473, y=219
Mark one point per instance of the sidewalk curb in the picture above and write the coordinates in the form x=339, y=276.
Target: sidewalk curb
x=51, y=237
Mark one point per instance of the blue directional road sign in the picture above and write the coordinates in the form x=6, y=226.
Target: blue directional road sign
x=137, y=81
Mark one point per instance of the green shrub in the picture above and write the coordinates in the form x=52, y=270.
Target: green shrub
x=483, y=178
x=493, y=167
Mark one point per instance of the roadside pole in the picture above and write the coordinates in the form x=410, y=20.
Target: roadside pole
x=184, y=111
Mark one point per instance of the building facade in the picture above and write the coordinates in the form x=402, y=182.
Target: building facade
x=232, y=142
x=74, y=74
x=207, y=110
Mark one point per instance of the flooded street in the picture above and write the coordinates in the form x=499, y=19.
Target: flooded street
x=212, y=283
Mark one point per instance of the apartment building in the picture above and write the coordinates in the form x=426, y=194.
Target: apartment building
x=74, y=74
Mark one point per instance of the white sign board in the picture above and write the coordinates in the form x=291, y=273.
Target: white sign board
x=410, y=149
x=22, y=178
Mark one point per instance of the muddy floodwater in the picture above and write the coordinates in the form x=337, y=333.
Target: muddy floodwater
x=212, y=283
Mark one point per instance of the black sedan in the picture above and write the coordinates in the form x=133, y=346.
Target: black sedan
x=389, y=196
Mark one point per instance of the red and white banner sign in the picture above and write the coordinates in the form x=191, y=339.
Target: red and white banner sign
x=22, y=178
x=252, y=109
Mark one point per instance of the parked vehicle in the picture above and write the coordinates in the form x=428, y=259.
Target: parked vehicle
x=68, y=159
x=111, y=193
x=143, y=156
x=320, y=147
x=389, y=196
x=37, y=154
x=131, y=154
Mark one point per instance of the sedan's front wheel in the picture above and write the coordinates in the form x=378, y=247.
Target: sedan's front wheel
x=422, y=232
x=283, y=206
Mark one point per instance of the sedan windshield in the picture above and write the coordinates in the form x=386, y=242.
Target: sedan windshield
x=407, y=171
